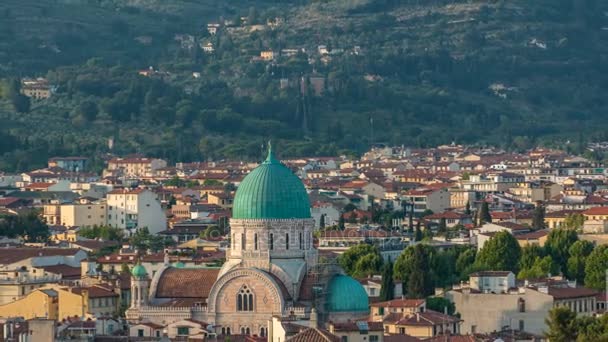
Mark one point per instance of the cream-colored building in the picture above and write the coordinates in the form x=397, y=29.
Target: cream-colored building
x=83, y=215
x=485, y=306
x=436, y=200
x=460, y=197
x=135, y=167
x=39, y=303
x=133, y=209
x=60, y=302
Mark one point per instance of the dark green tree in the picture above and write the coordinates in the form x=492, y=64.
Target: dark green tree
x=440, y=304
x=542, y=267
x=561, y=325
x=538, y=217
x=388, y=285
x=484, y=213
x=465, y=262
x=467, y=209
x=322, y=221
x=443, y=227
x=579, y=251
x=418, y=232
x=529, y=254
x=558, y=245
x=361, y=260
x=341, y=222
x=420, y=282
x=500, y=253
x=595, y=268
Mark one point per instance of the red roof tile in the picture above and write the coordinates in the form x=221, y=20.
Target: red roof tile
x=186, y=282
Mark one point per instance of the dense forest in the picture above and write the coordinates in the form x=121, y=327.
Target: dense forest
x=509, y=73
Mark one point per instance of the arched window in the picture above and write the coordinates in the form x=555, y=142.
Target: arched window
x=223, y=331
x=247, y=331
x=286, y=240
x=242, y=330
x=301, y=242
x=262, y=332
x=255, y=241
x=244, y=299
x=228, y=331
x=271, y=239
x=243, y=241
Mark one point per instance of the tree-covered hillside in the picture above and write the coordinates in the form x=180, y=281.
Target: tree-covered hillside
x=511, y=73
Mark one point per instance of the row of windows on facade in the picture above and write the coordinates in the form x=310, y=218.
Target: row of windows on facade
x=244, y=331
x=270, y=241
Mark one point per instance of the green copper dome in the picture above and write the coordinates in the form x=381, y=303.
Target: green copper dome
x=345, y=294
x=139, y=271
x=271, y=191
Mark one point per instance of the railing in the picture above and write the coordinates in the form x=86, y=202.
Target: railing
x=299, y=311
x=30, y=279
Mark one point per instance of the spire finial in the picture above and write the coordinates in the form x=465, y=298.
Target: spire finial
x=270, y=158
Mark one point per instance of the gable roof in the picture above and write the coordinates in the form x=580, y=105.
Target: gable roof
x=186, y=282
x=313, y=335
x=14, y=254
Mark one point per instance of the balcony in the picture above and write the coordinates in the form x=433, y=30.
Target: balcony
x=25, y=279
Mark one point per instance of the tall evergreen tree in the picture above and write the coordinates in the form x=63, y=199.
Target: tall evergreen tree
x=420, y=282
x=443, y=227
x=341, y=222
x=467, y=208
x=388, y=285
x=418, y=233
x=538, y=217
x=484, y=214
x=322, y=221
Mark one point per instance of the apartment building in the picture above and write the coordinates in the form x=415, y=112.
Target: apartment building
x=130, y=209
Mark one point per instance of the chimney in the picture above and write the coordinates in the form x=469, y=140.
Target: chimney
x=314, y=318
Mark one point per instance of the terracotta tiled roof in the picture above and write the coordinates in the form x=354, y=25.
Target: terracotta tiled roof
x=451, y=338
x=352, y=326
x=126, y=191
x=40, y=185
x=12, y=255
x=428, y=318
x=186, y=282
x=571, y=292
x=67, y=272
x=400, y=338
x=95, y=291
x=562, y=213
x=8, y=201
x=532, y=235
x=313, y=335
x=400, y=303
x=596, y=211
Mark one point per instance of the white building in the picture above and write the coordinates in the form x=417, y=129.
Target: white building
x=137, y=208
x=332, y=215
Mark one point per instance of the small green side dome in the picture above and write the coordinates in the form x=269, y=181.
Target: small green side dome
x=139, y=271
x=271, y=191
x=179, y=264
x=345, y=294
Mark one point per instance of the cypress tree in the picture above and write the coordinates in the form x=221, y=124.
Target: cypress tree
x=418, y=233
x=484, y=214
x=388, y=285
